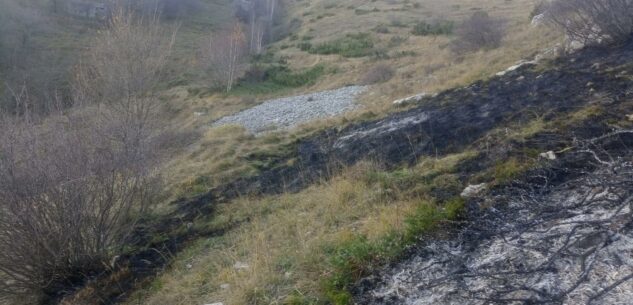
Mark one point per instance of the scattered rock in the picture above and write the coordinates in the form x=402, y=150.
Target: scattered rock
x=550, y=155
x=114, y=260
x=225, y=286
x=188, y=266
x=199, y=113
x=629, y=117
x=409, y=100
x=520, y=64
x=538, y=20
x=474, y=190
x=241, y=265
x=288, y=112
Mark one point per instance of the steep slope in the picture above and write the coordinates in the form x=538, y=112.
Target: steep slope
x=506, y=120
x=549, y=240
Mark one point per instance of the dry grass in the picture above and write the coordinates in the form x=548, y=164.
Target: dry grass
x=426, y=65
x=287, y=242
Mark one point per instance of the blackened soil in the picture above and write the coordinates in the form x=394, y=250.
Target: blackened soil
x=446, y=123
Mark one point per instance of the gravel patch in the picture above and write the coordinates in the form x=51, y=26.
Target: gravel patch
x=288, y=112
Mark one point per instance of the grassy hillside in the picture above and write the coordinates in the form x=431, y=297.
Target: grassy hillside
x=419, y=63
x=306, y=247
x=302, y=248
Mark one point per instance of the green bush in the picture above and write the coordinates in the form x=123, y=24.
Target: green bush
x=305, y=46
x=266, y=79
x=423, y=28
x=352, y=45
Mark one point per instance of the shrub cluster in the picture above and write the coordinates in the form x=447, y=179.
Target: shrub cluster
x=480, y=31
x=352, y=45
x=267, y=78
x=592, y=21
x=73, y=185
x=378, y=74
x=423, y=28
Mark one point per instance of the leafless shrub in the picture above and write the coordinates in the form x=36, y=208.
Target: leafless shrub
x=480, y=31
x=74, y=185
x=260, y=18
x=225, y=56
x=125, y=65
x=593, y=21
x=378, y=74
x=70, y=196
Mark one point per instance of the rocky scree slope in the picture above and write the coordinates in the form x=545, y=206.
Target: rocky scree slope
x=447, y=123
x=288, y=112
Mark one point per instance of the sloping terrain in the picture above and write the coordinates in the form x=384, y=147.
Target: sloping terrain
x=452, y=120
x=580, y=97
x=547, y=240
x=289, y=112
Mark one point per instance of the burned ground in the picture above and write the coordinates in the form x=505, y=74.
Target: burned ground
x=561, y=236
x=447, y=123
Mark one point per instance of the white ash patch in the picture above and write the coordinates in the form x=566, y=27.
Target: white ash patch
x=572, y=246
x=382, y=127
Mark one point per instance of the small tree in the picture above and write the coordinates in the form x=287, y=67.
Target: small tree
x=225, y=55
x=593, y=21
x=124, y=69
x=73, y=185
x=480, y=31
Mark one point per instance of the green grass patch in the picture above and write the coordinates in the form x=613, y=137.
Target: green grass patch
x=423, y=28
x=510, y=169
x=359, y=256
x=274, y=78
x=352, y=45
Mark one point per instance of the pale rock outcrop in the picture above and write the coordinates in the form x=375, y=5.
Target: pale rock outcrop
x=520, y=64
x=409, y=100
x=474, y=190
x=550, y=155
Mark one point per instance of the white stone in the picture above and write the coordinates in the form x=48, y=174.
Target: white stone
x=474, y=190
x=241, y=265
x=550, y=155
x=517, y=66
x=225, y=286
x=409, y=100
x=289, y=112
x=538, y=20
x=629, y=117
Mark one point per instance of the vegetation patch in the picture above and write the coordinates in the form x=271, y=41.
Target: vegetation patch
x=352, y=45
x=267, y=79
x=423, y=28
x=309, y=247
x=359, y=256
